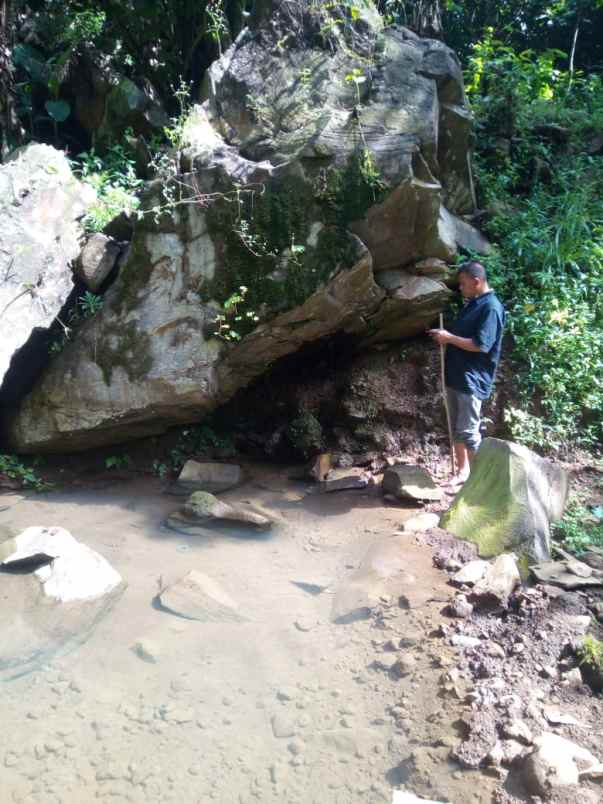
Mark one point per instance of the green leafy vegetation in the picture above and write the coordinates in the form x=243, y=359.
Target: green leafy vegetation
x=118, y=462
x=87, y=306
x=541, y=192
x=198, y=441
x=14, y=469
x=580, y=528
x=305, y=434
x=114, y=178
x=591, y=652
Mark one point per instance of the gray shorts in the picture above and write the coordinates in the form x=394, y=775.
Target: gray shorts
x=465, y=419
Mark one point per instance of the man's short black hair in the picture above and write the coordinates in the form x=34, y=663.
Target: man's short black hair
x=474, y=269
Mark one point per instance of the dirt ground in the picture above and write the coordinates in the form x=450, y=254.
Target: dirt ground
x=284, y=705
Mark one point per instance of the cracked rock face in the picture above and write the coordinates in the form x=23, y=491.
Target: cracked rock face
x=304, y=178
x=41, y=206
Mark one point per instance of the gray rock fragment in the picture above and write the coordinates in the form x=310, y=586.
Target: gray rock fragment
x=410, y=482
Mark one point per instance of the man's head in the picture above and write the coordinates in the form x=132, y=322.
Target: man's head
x=473, y=281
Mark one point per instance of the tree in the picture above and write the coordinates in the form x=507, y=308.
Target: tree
x=9, y=125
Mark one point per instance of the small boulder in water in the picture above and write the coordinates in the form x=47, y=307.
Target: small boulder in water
x=205, y=508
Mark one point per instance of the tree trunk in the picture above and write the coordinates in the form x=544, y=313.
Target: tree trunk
x=426, y=18
x=10, y=132
x=573, y=51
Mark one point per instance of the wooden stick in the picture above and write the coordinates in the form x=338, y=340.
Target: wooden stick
x=443, y=381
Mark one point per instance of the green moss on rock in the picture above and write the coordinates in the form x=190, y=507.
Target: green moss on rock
x=263, y=238
x=123, y=345
x=305, y=434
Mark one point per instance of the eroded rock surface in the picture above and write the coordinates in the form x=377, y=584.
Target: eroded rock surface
x=299, y=188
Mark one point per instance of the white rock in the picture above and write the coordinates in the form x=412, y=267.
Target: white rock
x=472, y=572
x=77, y=573
x=424, y=521
x=282, y=727
x=463, y=641
x=557, y=718
x=552, y=764
x=500, y=579
x=573, y=677
x=147, y=650
x=518, y=730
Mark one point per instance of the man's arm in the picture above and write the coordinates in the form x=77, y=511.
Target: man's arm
x=442, y=336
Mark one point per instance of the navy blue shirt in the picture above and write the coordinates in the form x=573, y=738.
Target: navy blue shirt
x=482, y=320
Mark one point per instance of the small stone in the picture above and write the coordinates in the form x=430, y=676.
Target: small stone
x=461, y=608
x=557, y=718
x=463, y=641
x=550, y=671
x=296, y=747
x=421, y=522
x=403, y=666
x=495, y=650
x=282, y=727
x=573, y=677
x=287, y=694
x=146, y=650
x=471, y=573
x=518, y=730
x=305, y=625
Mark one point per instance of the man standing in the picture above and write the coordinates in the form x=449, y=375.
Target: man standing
x=472, y=354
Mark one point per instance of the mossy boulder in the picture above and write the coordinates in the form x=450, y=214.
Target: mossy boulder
x=509, y=501
x=202, y=507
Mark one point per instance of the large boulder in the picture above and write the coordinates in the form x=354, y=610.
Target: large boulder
x=507, y=504
x=304, y=176
x=41, y=208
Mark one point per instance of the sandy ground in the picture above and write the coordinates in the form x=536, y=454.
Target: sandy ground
x=283, y=706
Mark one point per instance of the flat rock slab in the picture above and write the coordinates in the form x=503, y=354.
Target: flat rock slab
x=567, y=574
x=410, y=482
x=77, y=572
x=341, y=479
x=208, y=476
x=35, y=622
x=196, y=596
